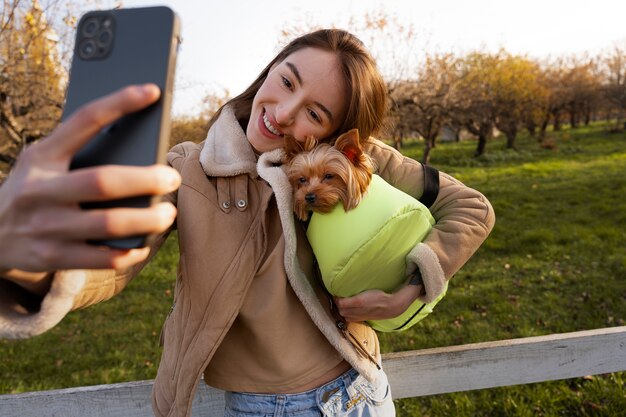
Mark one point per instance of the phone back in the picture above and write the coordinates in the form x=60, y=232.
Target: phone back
x=114, y=49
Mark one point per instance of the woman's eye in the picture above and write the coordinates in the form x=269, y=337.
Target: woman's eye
x=287, y=83
x=315, y=116
x=328, y=176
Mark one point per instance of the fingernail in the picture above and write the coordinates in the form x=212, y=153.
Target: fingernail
x=169, y=210
x=170, y=178
x=150, y=90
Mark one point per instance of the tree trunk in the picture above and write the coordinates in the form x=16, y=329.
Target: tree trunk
x=10, y=124
x=428, y=145
x=543, y=128
x=588, y=112
x=573, y=119
x=557, y=122
x=511, y=134
x=397, y=142
x=482, y=144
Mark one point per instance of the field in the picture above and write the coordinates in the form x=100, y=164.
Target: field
x=555, y=262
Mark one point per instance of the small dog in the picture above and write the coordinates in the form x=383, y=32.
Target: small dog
x=323, y=175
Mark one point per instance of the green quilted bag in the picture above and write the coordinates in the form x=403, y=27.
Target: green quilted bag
x=366, y=247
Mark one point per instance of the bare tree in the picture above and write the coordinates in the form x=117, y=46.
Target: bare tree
x=422, y=105
x=615, y=84
x=581, y=89
x=551, y=82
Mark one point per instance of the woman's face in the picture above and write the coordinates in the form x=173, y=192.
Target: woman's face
x=304, y=95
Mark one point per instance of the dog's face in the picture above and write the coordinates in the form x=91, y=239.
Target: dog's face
x=324, y=175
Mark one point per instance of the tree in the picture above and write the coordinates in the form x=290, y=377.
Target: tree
x=581, y=88
x=394, y=44
x=194, y=128
x=423, y=105
x=615, y=84
x=31, y=76
x=552, y=98
x=472, y=101
x=515, y=89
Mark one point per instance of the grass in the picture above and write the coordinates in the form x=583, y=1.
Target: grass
x=554, y=263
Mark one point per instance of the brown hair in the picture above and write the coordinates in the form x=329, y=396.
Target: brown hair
x=367, y=93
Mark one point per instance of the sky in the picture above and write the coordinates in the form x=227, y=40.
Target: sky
x=227, y=43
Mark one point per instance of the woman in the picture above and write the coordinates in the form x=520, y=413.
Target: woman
x=248, y=312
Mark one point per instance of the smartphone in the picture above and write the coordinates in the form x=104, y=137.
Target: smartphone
x=114, y=49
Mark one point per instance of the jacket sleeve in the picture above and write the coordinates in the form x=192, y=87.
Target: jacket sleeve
x=464, y=218
x=23, y=314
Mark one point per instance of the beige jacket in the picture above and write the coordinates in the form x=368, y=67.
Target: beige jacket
x=221, y=227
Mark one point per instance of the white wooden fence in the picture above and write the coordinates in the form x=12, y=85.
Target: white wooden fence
x=411, y=374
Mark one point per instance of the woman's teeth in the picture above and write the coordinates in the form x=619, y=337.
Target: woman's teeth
x=269, y=126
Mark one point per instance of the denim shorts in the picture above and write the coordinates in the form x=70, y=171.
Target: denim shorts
x=348, y=395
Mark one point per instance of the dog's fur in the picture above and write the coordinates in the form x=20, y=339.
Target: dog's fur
x=322, y=175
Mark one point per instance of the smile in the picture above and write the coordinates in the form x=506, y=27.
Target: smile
x=269, y=126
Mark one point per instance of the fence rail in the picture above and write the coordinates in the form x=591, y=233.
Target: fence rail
x=411, y=374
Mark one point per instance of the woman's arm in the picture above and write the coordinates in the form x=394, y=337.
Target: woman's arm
x=464, y=218
x=42, y=228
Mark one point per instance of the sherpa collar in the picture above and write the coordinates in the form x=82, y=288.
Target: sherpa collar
x=226, y=151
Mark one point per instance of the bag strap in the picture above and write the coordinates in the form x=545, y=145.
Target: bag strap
x=431, y=186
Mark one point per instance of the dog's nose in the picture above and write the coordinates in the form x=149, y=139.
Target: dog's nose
x=310, y=198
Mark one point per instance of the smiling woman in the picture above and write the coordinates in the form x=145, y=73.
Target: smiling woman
x=324, y=83
x=248, y=312
x=302, y=96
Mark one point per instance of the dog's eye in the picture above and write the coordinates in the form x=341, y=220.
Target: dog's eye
x=302, y=180
x=328, y=176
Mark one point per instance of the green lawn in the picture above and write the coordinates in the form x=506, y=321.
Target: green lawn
x=555, y=262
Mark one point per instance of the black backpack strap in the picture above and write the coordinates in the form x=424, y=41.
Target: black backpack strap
x=431, y=186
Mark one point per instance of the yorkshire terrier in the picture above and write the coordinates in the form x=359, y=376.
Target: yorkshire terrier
x=323, y=175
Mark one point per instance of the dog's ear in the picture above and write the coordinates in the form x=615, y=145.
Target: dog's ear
x=292, y=146
x=348, y=144
x=309, y=143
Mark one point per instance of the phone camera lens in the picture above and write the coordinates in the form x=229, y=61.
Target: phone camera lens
x=90, y=27
x=104, y=37
x=87, y=49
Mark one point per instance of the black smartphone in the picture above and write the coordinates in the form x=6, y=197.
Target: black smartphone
x=114, y=49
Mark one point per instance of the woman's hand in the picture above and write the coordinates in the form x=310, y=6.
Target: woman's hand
x=377, y=304
x=42, y=227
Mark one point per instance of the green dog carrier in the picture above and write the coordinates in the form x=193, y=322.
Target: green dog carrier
x=366, y=247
